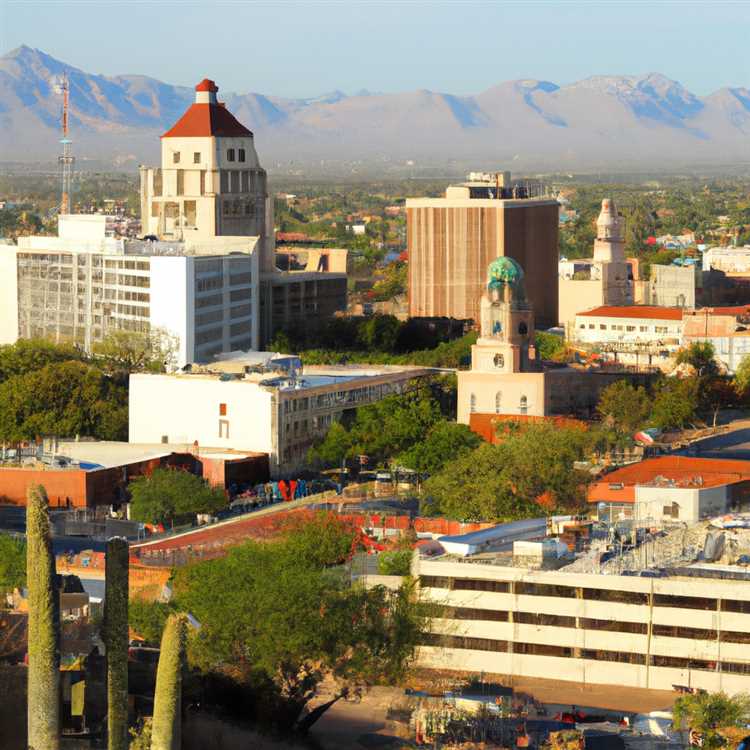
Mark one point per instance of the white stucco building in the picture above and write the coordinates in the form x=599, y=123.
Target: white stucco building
x=82, y=284
x=633, y=335
x=257, y=403
x=731, y=260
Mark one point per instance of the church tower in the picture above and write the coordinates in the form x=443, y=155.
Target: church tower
x=609, y=255
x=506, y=342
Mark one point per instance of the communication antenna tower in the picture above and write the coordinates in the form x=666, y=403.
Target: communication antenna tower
x=66, y=159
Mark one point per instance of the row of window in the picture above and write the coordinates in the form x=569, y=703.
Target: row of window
x=239, y=155
x=588, y=623
x=540, y=649
x=571, y=592
x=629, y=328
x=523, y=404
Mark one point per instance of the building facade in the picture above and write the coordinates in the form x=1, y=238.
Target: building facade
x=587, y=628
x=601, y=280
x=638, y=335
x=78, y=287
x=452, y=240
x=727, y=329
x=267, y=409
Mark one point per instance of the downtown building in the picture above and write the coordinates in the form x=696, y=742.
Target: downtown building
x=452, y=240
x=204, y=274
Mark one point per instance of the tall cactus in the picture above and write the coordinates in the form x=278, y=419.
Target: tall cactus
x=44, y=627
x=166, y=730
x=116, y=641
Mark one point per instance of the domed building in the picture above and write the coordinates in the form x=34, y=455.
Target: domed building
x=507, y=379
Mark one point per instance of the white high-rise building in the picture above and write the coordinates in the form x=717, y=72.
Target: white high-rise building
x=81, y=285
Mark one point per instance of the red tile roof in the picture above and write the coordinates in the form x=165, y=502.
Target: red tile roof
x=682, y=470
x=635, y=311
x=203, y=120
x=207, y=85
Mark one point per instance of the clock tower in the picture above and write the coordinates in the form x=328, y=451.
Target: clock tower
x=506, y=342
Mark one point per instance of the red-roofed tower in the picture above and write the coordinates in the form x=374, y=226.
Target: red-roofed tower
x=210, y=183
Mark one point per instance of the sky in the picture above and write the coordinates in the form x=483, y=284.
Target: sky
x=301, y=49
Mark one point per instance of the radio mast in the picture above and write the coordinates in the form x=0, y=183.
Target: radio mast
x=66, y=159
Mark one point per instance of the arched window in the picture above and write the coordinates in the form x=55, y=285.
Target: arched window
x=523, y=329
x=473, y=403
x=498, y=400
x=524, y=407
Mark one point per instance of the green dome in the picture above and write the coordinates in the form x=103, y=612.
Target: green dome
x=504, y=270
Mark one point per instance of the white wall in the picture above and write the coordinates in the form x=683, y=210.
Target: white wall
x=172, y=302
x=8, y=295
x=186, y=408
x=694, y=502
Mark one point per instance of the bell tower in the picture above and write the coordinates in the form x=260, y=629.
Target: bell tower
x=506, y=341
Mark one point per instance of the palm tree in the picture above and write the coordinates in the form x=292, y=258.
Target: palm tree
x=708, y=713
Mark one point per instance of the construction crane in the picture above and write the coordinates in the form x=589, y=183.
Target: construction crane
x=66, y=159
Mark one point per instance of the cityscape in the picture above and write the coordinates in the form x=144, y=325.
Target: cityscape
x=384, y=418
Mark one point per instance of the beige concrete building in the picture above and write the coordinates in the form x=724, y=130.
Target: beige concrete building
x=452, y=240
x=587, y=628
x=605, y=278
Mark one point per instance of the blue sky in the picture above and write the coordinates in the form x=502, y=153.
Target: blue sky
x=307, y=48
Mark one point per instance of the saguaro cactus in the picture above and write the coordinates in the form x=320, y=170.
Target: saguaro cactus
x=44, y=627
x=116, y=641
x=166, y=731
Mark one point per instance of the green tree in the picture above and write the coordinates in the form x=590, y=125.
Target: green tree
x=12, y=564
x=395, y=562
x=170, y=494
x=265, y=609
x=379, y=333
x=742, y=375
x=334, y=449
x=63, y=398
x=701, y=356
x=532, y=465
x=29, y=355
x=549, y=346
x=675, y=402
x=166, y=728
x=123, y=352
x=116, y=641
x=148, y=618
x=709, y=713
x=624, y=407
x=444, y=442
x=43, y=627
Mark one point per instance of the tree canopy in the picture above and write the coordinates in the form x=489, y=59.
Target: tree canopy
x=279, y=610
x=12, y=564
x=380, y=430
x=171, y=494
x=624, y=407
x=28, y=355
x=444, y=442
x=675, y=402
x=62, y=398
x=123, y=352
x=533, y=465
x=708, y=713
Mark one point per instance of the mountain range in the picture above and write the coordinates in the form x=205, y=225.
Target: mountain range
x=602, y=121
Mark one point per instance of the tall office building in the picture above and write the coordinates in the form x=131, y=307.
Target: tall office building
x=452, y=240
x=82, y=284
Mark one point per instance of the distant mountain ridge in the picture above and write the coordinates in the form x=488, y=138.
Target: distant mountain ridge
x=601, y=120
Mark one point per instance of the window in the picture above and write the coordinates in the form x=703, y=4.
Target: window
x=644, y=329
x=621, y=597
x=684, y=602
x=582, y=326
x=523, y=329
x=196, y=157
x=222, y=410
x=434, y=582
x=524, y=405
x=472, y=403
x=602, y=327
x=175, y=157
x=612, y=626
x=498, y=399
x=241, y=154
x=674, y=631
x=479, y=584
x=459, y=641
x=533, y=618
x=591, y=326
x=230, y=154
x=630, y=328
x=165, y=438
x=469, y=613
x=223, y=428
x=544, y=589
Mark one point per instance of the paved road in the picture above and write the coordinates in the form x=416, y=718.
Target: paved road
x=733, y=444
